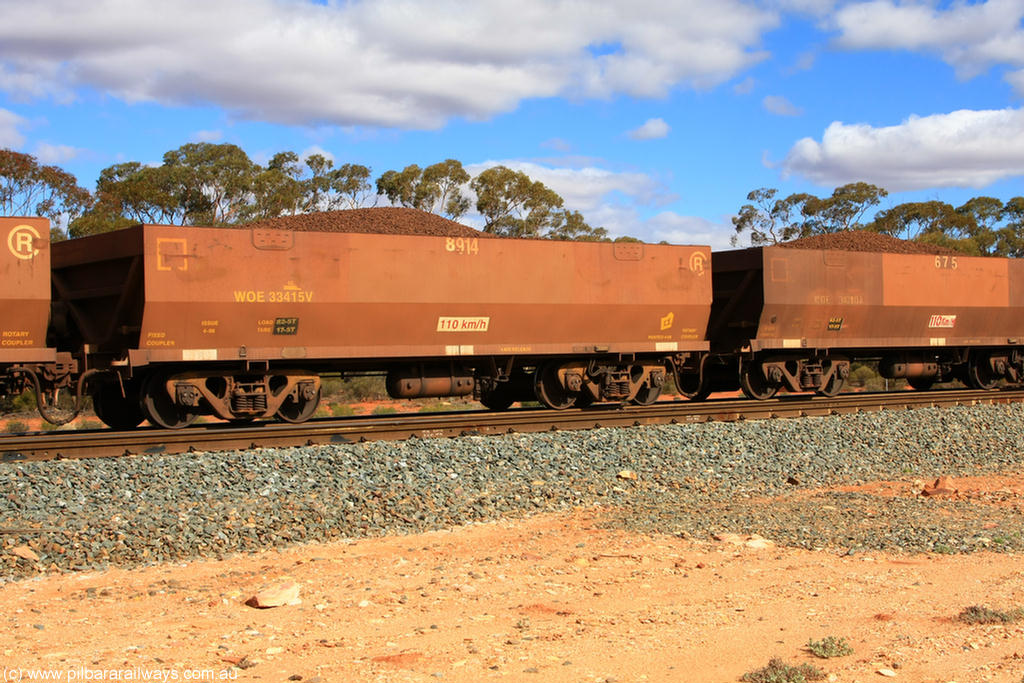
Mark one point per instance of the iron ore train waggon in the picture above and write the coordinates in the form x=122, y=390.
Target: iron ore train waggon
x=794, y=319
x=175, y=322
x=164, y=323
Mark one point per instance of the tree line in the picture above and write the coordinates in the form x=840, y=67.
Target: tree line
x=218, y=184
x=980, y=226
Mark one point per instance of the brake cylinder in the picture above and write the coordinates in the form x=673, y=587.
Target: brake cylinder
x=428, y=383
x=907, y=367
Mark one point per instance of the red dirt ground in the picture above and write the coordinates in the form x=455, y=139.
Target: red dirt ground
x=552, y=598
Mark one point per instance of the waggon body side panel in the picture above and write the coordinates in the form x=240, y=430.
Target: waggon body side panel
x=800, y=298
x=241, y=294
x=24, y=290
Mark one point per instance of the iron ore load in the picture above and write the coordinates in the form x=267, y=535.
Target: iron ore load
x=795, y=318
x=177, y=322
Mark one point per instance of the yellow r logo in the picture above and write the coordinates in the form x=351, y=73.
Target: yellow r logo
x=21, y=241
x=697, y=261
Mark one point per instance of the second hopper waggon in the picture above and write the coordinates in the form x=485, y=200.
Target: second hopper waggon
x=795, y=319
x=241, y=323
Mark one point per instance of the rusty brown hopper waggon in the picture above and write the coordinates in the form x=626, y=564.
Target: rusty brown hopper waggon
x=26, y=359
x=796, y=318
x=241, y=323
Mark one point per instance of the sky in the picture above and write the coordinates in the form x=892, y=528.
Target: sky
x=653, y=118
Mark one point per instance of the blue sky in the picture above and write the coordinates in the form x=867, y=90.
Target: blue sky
x=652, y=118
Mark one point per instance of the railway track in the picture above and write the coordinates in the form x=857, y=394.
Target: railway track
x=221, y=436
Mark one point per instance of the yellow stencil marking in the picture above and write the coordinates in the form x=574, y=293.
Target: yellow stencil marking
x=21, y=241
x=170, y=249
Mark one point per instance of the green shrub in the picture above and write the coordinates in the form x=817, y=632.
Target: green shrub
x=977, y=614
x=24, y=402
x=865, y=376
x=330, y=386
x=438, y=407
x=778, y=671
x=861, y=374
x=385, y=410
x=356, y=389
x=342, y=410
x=829, y=646
x=16, y=427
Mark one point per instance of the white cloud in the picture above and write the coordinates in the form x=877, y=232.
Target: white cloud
x=814, y=7
x=10, y=136
x=1016, y=79
x=619, y=220
x=625, y=220
x=618, y=202
x=207, y=136
x=970, y=37
x=805, y=62
x=392, y=63
x=962, y=149
x=588, y=189
x=780, y=106
x=316, y=149
x=745, y=87
x=666, y=226
x=608, y=199
x=652, y=129
x=678, y=229
x=55, y=154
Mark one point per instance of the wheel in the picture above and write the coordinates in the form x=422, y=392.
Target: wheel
x=833, y=387
x=921, y=383
x=646, y=396
x=979, y=372
x=549, y=390
x=117, y=411
x=298, y=411
x=753, y=382
x=160, y=409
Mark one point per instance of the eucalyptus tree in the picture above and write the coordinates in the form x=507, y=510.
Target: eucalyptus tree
x=28, y=188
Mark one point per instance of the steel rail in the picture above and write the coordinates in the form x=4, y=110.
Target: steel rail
x=222, y=436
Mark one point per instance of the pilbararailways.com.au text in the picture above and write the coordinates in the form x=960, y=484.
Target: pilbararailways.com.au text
x=134, y=675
